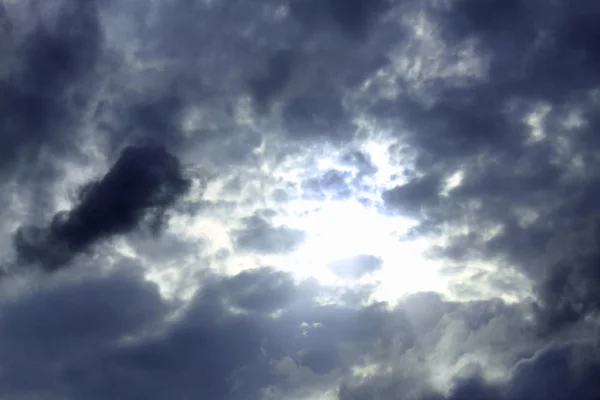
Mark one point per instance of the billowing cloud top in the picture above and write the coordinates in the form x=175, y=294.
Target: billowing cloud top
x=300, y=199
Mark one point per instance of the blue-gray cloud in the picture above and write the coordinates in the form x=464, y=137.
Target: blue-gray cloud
x=260, y=235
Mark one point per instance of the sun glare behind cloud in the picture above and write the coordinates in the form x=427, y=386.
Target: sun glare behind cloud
x=338, y=230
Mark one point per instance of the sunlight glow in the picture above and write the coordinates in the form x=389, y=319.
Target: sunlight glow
x=341, y=229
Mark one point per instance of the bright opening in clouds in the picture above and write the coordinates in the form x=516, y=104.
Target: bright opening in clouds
x=337, y=230
x=299, y=199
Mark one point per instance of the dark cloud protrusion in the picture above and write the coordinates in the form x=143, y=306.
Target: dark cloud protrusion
x=140, y=188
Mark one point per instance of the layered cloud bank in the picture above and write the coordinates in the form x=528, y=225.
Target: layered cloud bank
x=299, y=199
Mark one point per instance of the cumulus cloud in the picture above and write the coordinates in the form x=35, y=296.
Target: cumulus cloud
x=463, y=133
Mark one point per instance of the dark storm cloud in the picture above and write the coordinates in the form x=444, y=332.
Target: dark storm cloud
x=352, y=17
x=140, y=188
x=147, y=113
x=261, y=291
x=309, y=116
x=110, y=336
x=414, y=196
x=458, y=326
x=260, y=235
x=570, y=372
x=81, y=313
x=46, y=330
x=43, y=90
x=5, y=23
x=570, y=287
x=271, y=52
x=563, y=371
x=47, y=77
x=265, y=85
x=157, y=121
x=77, y=338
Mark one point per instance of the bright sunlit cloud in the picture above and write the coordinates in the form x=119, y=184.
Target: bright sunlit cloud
x=338, y=229
x=341, y=229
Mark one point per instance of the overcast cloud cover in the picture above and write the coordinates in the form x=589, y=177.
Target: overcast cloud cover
x=300, y=199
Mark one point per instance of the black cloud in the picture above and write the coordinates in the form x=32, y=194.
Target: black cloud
x=140, y=187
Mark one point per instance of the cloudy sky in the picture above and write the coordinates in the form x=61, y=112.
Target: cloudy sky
x=299, y=199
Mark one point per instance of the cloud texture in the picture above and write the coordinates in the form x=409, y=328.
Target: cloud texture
x=300, y=199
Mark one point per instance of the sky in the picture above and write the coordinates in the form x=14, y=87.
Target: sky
x=299, y=199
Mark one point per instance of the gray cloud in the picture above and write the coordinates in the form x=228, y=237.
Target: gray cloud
x=112, y=335
x=483, y=131
x=353, y=18
x=265, y=85
x=75, y=335
x=70, y=323
x=261, y=236
x=50, y=63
